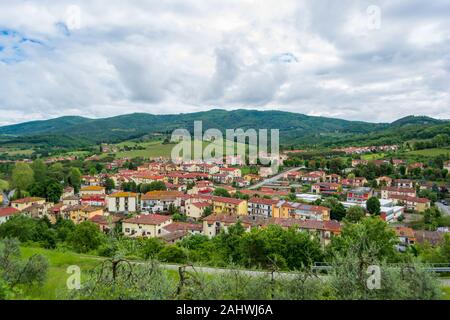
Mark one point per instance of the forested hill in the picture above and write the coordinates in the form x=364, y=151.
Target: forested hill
x=294, y=128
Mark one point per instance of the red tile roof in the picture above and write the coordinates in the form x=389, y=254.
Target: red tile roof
x=177, y=226
x=151, y=219
x=27, y=200
x=5, y=212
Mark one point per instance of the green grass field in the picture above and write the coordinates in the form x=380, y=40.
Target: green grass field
x=18, y=152
x=57, y=275
x=429, y=152
x=373, y=156
x=154, y=148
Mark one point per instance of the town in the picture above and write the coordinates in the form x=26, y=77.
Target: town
x=160, y=199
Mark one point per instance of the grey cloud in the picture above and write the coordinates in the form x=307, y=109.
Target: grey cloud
x=314, y=57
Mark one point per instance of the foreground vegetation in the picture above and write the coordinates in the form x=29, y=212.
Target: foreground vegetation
x=131, y=268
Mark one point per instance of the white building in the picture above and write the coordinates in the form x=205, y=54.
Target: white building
x=122, y=202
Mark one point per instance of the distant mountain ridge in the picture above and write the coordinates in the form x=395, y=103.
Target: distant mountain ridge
x=294, y=127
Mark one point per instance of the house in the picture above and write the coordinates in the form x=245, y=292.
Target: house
x=325, y=230
x=403, y=183
x=286, y=209
x=326, y=188
x=230, y=206
x=333, y=178
x=391, y=213
x=354, y=182
x=252, y=178
x=294, y=175
x=195, y=210
x=67, y=192
x=221, y=178
x=414, y=166
x=106, y=222
x=432, y=237
x=261, y=206
x=191, y=228
x=150, y=225
x=406, y=237
x=412, y=203
x=71, y=200
x=160, y=201
x=359, y=195
x=215, y=223
x=91, y=180
x=96, y=200
x=384, y=181
x=24, y=203
x=313, y=177
x=233, y=172
x=39, y=211
x=388, y=192
x=7, y=213
x=92, y=190
x=398, y=162
x=359, y=162
x=122, y=202
x=81, y=213
x=380, y=162
x=266, y=171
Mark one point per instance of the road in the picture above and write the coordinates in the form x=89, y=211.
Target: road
x=272, y=179
x=444, y=209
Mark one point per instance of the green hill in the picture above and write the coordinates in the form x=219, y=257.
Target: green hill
x=294, y=128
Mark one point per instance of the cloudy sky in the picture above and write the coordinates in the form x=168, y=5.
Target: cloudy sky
x=360, y=60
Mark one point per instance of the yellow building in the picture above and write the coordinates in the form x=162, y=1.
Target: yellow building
x=81, y=213
x=92, y=190
x=285, y=209
x=229, y=206
x=21, y=204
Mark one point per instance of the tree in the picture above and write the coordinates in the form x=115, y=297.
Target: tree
x=20, y=227
x=208, y=211
x=109, y=184
x=370, y=232
x=75, y=179
x=373, y=206
x=54, y=192
x=153, y=186
x=86, y=237
x=17, y=271
x=151, y=247
x=39, y=169
x=4, y=185
x=56, y=172
x=179, y=217
x=221, y=192
x=173, y=254
x=22, y=176
x=355, y=214
x=337, y=209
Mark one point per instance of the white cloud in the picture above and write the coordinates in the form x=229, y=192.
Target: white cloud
x=317, y=58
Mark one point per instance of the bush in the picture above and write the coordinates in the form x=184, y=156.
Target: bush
x=173, y=254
